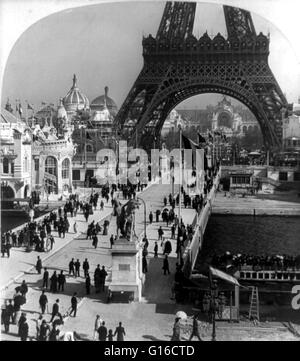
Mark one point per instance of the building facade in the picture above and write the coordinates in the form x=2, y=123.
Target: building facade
x=15, y=157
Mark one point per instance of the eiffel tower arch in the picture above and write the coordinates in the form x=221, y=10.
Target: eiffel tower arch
x=177, y=66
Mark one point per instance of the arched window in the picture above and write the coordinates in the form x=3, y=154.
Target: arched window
x=5, y=165
x=50, y=165
x=89, y=148
x=65, y=170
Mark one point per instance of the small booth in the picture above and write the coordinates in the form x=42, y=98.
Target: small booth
x=125, y=282
x=241, y=182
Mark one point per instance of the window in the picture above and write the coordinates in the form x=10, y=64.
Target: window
x=36, y=164
x=297, y=176
x=5, y=165
x=12, y=167
x=50, y=166
x=283, y=176
x=76, y=174
x=89, y=148
x=65, y=170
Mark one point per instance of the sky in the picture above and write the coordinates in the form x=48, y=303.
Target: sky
x=102, y=44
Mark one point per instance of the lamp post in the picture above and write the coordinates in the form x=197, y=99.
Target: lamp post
x=145, y=215
x=180, y=172
x=213, y=306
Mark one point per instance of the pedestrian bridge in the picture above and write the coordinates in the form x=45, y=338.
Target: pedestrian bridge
x=192, y=249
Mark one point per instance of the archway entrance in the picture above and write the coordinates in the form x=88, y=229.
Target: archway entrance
x=51, y=175
x=26, y=190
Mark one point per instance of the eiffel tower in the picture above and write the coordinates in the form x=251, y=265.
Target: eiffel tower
x=178, y=66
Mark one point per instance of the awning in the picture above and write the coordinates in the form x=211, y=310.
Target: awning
x=224, y=276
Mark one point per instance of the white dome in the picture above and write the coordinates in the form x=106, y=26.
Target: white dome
x=75, y=99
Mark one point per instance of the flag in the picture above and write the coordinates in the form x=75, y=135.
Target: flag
x=43, y=103
x=188, y=143
x=210, y=137
x=201, y=139
x=29, y=106
x=217, y=133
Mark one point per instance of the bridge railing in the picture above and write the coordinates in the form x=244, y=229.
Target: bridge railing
x=191, y=252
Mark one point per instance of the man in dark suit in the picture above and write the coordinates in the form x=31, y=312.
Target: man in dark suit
x=43, y=301
x=71, y=267
x=61, y=279
x=102, y=332
x=74, y=304
x=55, y=310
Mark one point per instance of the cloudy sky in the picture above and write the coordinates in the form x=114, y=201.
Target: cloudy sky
x=102, y=44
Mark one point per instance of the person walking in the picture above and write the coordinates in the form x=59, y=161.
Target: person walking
x=120, y=332
x=166, y=265
x=88, y=284
x=195, y=330
x=86, y=267
x=38, y=265
x=98, y=323
x=23, y=328
x=157, y=214
x=53, y=282
x=75, y=227
x=52, y=241
x=77, y=268
x=61, y=279
x=71, y=267
x=102, y=331
x=160, y=233
x=44, y=331
x=111, y=240
x=95, y=241
x=45, y=278
x=74, y=303
x=38, y=326
x=150, y=217
x=155, y=250
x=5, y=318
x=110, y=336
x=55, y=310
x=23, y=289
x=43, y=301
x=103, y=275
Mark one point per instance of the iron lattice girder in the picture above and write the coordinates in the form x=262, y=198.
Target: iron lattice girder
x=177, y=20
x=238, y=22
x=234, y=80
x=178, y=66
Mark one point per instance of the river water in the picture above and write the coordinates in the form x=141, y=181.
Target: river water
x=252, y=235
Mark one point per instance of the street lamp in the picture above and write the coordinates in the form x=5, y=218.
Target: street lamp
x=213, y=307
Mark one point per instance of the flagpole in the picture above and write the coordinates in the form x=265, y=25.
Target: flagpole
x=180, y=171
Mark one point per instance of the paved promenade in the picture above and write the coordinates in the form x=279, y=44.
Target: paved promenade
x=150, y=319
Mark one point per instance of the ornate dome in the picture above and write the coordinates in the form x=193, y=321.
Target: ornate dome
x=61, y=110
x=100, y=102
x=75, y=100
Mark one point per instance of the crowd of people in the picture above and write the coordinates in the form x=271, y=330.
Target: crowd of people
x=38, y=235
x=256, y=262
